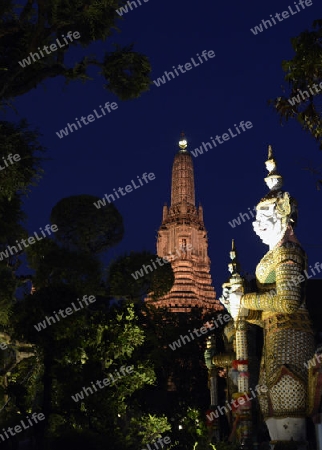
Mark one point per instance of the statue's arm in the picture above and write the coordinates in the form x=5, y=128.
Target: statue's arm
x=254, y=317
x=286, y=298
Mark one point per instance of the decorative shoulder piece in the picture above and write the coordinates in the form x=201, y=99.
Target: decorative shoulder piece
x=283, y=204
x=286, y=253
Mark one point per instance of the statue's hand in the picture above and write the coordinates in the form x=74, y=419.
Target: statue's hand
x=225, y=295
x=209, y=353
x=235, y=294
x=234, y=308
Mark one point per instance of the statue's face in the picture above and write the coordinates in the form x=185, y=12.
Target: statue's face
x=268, y=226
x=274, y=182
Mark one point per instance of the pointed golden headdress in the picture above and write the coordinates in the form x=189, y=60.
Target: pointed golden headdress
x=286, y=206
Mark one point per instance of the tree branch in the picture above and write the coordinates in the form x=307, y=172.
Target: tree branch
x=26, y=11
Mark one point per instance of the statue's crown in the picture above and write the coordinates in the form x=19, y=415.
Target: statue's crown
x=286, y=206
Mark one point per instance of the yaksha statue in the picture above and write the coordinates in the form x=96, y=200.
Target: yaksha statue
x=279, y=307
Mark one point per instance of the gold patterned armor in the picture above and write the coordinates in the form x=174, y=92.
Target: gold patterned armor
x=279, y=306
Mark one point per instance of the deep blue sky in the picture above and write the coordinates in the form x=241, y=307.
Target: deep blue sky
x=141, y=135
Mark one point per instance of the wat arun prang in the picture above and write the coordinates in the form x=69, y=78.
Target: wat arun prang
x=182, y=239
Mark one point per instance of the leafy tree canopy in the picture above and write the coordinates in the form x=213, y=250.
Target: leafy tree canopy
x=82, y=226
x=302, y=72
x=18, y=176
x=38, y=23
x=124, y=281
x=55, y=265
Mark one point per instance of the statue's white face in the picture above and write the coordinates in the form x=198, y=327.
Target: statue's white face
x=268, y=226
x=274, y=182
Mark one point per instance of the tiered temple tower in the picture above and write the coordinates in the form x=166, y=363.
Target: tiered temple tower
x=182, y=238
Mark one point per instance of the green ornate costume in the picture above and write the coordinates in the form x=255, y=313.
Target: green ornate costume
x=279, y=307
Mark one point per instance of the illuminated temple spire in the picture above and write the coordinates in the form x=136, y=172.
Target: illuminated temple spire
x=182, y=238
x=183, y=185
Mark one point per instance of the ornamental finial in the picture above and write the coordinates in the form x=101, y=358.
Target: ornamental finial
x=233, y=266
x=235, y=277
x=270, y=153
x=273, y=180
x=183, y=142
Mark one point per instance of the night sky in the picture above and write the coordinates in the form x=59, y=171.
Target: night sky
x=141, y=135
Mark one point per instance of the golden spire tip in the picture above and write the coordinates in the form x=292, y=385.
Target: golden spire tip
x=183, y=142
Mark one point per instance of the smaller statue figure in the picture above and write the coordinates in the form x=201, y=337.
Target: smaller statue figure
x=233, y=364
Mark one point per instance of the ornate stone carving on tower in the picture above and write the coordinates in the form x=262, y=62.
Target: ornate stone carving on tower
x=182, y=239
